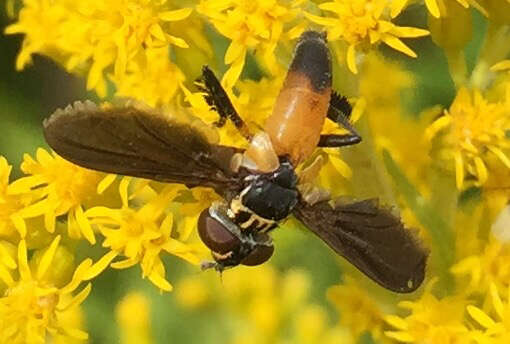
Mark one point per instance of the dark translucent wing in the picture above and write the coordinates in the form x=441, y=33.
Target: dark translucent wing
x=371, y=238
x=141, y=143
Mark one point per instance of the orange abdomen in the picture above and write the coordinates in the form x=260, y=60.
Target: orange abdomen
x=302, y=105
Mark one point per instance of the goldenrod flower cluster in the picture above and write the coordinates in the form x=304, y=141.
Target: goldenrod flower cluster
x=445, y=162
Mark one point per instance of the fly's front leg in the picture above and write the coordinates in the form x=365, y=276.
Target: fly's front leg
x=219, y=101
x=340, y=111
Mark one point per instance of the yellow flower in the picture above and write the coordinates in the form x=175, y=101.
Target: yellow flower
x=96, y=35
x=35, y=300
x=133, y=317
x=496, y=328
x=359, y=312
x=155, y=81
x=58, y=187
x=502, y=65
x=473, y=129
x=363, y=23
x=251, y=25
x=141, y=235
x=432, y=320
x=192, y=293
x=490, y=267
x=11, y=219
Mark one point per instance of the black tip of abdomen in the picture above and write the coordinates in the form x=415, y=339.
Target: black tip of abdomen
x=311, y=57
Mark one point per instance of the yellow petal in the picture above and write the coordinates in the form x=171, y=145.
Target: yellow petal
x=25, y=184
x=234, y=51
x=160, y=282
x=496, y=300
x=123, y=190
x=501, y=65
x=84, y=224
x=321, y=20
x=100, y=265
x=408, y=32
x=19, y=224
x=480, y=316
x=105, y=183
x=459, y=170
x=77, y=299
x=396, y=322
x=47, y=258
x=359, y=109
x=23, y=268
x=232, y=75
x=5, y=276
x=397, y=6
x=400, y=336
x=157, y=32
x=340, y=165
x=6, y=259
x=124, y=264
x=175, y=15
x=481, y=170
x=502, y=156
x=433, y=8
x=76, y=333
x=351, y=59
x=80, y=271
x=397, y=44
x=179, y=42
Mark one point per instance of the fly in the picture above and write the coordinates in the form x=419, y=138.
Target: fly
x=259, y=185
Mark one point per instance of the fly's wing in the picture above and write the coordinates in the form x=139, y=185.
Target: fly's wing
x=371, y=238
x=142, y=143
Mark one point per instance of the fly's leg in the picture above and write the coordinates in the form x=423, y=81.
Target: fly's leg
x=219, y=101
x=340, y=111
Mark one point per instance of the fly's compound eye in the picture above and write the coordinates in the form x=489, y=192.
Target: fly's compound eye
x=262, y=251
x=215, y=235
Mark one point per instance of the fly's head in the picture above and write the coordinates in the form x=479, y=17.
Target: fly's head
x=230, y=246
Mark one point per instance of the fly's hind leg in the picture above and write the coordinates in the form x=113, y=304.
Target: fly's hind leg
x=219, y=101
x=340, y=111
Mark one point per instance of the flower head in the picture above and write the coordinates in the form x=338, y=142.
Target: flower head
x=363, y=23
x=359, y=312
x=494, y=322
x=141, y=235
x=250, y=25
x=490, y=267
x=11, y=206
x=432, y=320
x=58, y=187
x=154, y=82
x=97, y=35
x=473, y=128
x=36, y=297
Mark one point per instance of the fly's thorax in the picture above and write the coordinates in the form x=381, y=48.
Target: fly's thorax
x=266, y=200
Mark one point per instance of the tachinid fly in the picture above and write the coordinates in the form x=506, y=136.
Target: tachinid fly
x=259, y=185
